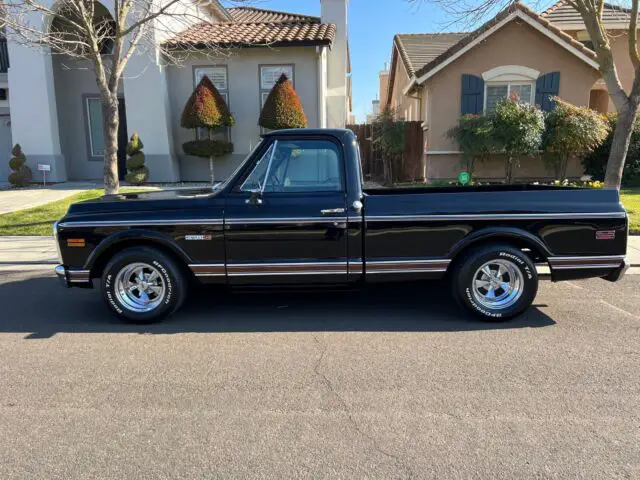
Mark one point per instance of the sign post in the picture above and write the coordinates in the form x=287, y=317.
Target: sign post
x=44, y=169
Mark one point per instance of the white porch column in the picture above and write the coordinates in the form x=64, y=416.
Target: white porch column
x=34, y=116
x=147, y=104
x=335, y=11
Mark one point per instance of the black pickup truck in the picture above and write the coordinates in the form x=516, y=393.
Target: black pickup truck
x=295, y=213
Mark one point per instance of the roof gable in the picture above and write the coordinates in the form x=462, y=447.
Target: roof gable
x=250, y=26
x=261, y=15
x=516, y=11
x=418, y=49
x=566, y=17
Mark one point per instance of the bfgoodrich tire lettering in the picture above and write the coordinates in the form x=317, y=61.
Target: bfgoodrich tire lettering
x=495, y=282
x=162, y=285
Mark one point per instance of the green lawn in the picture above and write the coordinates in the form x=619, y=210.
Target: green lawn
x=39, y=220
x=631, y=200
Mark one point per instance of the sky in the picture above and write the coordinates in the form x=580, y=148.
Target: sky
x=372, y=25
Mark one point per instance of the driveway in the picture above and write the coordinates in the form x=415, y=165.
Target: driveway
x=392, y=383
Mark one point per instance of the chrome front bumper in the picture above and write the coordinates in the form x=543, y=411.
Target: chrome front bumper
x=73, y=278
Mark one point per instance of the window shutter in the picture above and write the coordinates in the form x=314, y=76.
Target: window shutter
x=472, y=94
x=547, y=86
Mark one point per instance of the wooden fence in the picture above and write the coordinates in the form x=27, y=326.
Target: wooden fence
x=407, y=167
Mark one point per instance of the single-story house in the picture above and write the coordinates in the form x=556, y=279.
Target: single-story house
x=437, y=77
x=53, y=108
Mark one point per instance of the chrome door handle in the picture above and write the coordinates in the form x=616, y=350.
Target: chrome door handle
x=332, y=211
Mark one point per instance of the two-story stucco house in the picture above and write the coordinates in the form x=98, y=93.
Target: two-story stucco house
x=437, y=77
x=54, y=111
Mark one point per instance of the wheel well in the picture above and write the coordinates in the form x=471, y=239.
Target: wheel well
x=535, y=253
x=98, y=265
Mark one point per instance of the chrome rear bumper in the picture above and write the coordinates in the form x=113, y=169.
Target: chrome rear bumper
x=619, y=272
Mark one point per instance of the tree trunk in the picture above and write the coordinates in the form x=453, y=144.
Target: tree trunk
x=110, y=122
x=509, y=169
x=620, y=145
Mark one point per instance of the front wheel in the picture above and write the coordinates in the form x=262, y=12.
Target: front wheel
x=143, y=285
x=495, y=282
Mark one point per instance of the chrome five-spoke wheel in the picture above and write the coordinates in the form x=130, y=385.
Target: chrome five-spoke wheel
x=498, y=284
x=139, y=287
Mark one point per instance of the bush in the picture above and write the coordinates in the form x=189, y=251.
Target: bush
x=571, y=130
x=206, y=108
x=137, y=173
x=207, y=148
x=389, y=142
x=475, y=137
x=283, y=108
x=21, y=175
x=518, y=129
x=595, y=164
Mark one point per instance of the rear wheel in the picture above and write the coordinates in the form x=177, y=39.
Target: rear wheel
x=143, y=285
x=495, y=282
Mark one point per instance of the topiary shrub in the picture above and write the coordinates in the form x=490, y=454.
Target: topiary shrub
x=283, y=108
x=137, y=173
x=207, y=148
x=207, y=109
x=21, y=174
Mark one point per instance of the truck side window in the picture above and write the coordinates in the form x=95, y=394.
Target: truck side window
x=255, y=180
x=305, y=166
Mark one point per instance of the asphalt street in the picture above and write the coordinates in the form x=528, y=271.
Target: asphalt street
x=391, y=383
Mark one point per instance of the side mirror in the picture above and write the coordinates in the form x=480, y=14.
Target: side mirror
x=255, y=198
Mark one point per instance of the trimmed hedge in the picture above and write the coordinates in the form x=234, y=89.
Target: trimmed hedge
x=283, y=107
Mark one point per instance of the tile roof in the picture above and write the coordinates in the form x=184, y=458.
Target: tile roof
x=494, y=21
x=562, y=14
x=257, y=27
x=418, y=49
x=260, y=15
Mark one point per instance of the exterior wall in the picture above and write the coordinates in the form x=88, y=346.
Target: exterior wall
x=243, y=67
x=405, y=107
x=515, y=44
x=335, y=11
x=74, y=82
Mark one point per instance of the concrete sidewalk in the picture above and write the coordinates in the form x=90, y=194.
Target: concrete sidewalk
x=42, y=250
x=20, y=198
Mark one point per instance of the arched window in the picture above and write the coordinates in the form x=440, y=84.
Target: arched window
x=507, y=81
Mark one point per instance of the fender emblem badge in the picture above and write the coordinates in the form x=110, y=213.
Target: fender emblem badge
x=198, y=237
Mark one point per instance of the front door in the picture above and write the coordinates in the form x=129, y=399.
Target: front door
x=286, y=220
x=123, y=139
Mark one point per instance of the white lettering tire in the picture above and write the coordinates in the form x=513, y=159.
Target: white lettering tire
x=495, y=282
x=143, y=285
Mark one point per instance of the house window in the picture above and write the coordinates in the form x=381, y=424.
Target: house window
x=494, y=92
x=220, y=79
x=3, y=94
x=94, y=126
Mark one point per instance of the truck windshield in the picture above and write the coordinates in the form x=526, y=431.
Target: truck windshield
x=220, y=185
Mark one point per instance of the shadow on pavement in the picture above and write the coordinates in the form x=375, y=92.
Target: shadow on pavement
x=40, y=307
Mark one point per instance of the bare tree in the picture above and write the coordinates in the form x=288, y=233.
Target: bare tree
x=591, y=11
x=85, y=29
